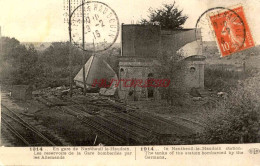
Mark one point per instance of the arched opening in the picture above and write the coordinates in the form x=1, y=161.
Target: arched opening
x=192, y=69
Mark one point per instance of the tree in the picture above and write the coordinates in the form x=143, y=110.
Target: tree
x=169, y=68
x=19, y=65
x=168, y=16
x=57, y=55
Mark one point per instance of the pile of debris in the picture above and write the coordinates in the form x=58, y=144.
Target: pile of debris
x=57, y=91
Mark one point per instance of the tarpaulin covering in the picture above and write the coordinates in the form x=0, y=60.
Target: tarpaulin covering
x=95, y=69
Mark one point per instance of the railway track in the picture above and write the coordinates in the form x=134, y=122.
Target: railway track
x=123, y=127
x=122, y=124
x=119, y=129
x=192, y=122
x=161, y=125
x=26, y=133
x=94, y=123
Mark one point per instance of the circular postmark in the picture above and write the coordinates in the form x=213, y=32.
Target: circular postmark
x=227, y=26
x=94, y=26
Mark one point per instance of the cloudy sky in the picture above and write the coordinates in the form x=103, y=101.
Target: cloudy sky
x=42, y=20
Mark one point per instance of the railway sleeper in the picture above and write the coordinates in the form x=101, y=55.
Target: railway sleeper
x=133, y=122
x=170, y=126
x=125, y=132
x=93, y=124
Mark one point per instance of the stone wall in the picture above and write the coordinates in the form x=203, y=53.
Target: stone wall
x=191, y=74
x=135, y=69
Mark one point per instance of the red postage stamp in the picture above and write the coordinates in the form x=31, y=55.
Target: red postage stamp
x=231, y=30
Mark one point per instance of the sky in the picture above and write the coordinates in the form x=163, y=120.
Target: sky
x=42, y=20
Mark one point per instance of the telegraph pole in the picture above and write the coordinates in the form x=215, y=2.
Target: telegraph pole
x=83, y=46
x=1, y=45
x=70, y=55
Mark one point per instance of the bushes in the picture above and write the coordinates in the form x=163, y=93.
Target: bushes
x=46, y=68
x=236, y=119
x=221, y=79
x=20, y=63
x=57, y=55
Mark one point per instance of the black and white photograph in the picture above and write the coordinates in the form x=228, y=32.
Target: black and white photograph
x=129, y=72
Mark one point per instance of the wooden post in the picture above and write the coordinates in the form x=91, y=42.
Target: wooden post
x=135, y=96
x=83, y=46
x=1, y=38
x=244, y=66
x=70, y=56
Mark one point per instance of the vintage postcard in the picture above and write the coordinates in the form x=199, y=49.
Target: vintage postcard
x=130, y=82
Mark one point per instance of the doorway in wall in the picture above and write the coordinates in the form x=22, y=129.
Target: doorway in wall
x=150, y=90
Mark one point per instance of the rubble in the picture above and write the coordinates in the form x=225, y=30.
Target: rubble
x=222, y=94
x=196, y=98
x=21, y=92
x=194, y=92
